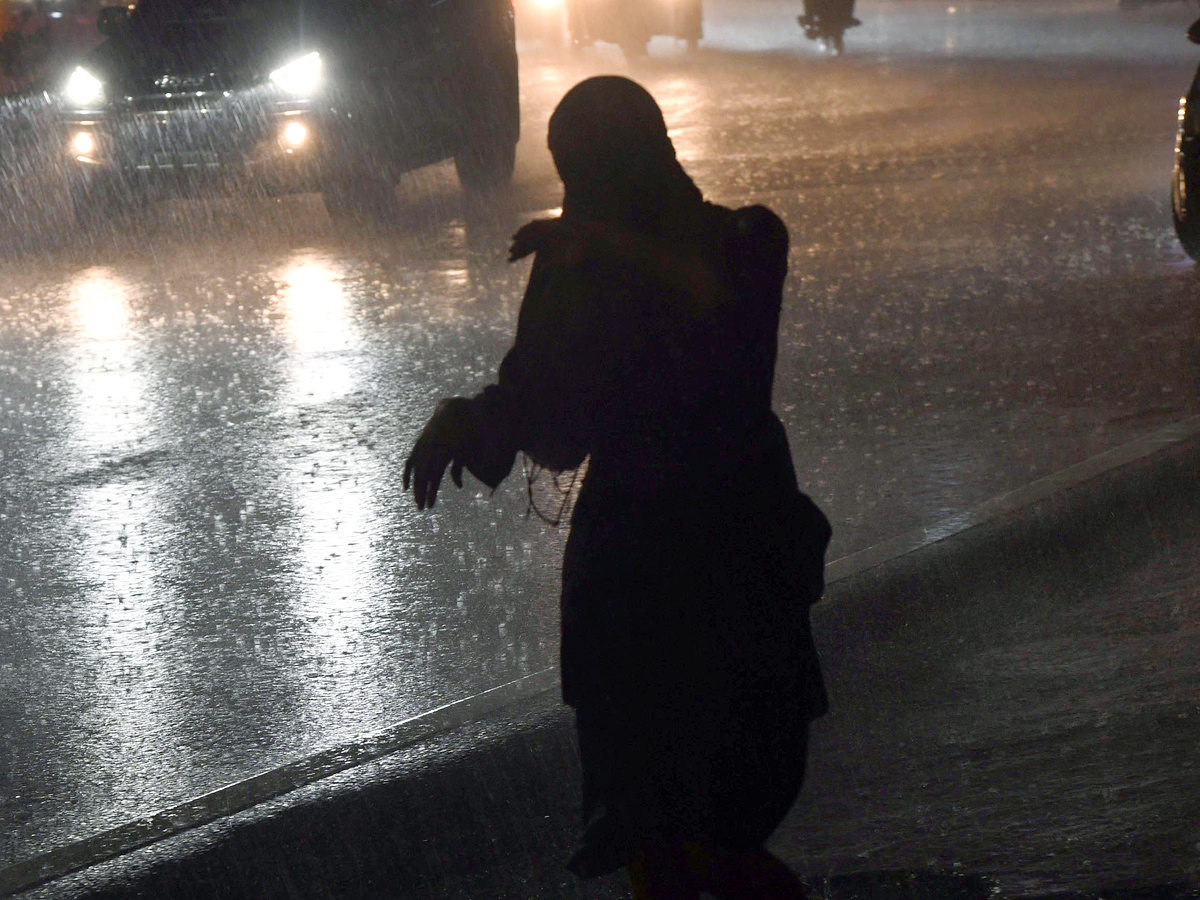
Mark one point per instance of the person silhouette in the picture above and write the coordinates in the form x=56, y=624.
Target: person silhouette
x=646, y=345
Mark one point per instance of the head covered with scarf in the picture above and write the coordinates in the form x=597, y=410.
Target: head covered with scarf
x=610, y=146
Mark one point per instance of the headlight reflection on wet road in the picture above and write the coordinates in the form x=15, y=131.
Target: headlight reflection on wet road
x=333, y=489
x=316, y=317
x=123, y=611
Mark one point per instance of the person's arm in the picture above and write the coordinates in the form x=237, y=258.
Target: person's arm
x=543, y=397
x=756, y=256
x=680, y=270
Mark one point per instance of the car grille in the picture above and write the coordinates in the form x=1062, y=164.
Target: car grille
x=187, y=137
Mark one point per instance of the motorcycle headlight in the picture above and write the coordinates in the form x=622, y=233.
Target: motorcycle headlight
x=1189, y=118
x=83, y=88
x=301, y=76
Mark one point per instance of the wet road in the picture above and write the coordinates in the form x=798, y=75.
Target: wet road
x=206, y=564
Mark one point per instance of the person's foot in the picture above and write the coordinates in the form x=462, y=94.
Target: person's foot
x=660, y=870
x=735, y=876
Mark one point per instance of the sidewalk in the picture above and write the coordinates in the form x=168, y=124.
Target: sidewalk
x=1006, y=722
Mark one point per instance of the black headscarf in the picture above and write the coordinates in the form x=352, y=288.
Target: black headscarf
x=611, y=149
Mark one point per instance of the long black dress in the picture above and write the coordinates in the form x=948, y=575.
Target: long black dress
x=693, y=557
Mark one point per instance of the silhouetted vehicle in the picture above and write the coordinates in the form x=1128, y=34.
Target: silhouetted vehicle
x=281, y=96
x=1185, y=180
x=631, y=23
x=826, y=22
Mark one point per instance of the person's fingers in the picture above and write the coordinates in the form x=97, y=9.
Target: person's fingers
x=434, y=450
x=417, y=458
x=532, y=237
x=434, y=483
x=428, y=471
x=419, y=488
x=420, y=470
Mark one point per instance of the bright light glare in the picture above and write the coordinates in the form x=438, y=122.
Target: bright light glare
x=301, y=76
x=295, y=133
x=548, y=5
x=84, y=143
x=83, y=88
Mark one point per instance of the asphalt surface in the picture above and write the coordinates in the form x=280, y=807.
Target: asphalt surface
x=207, y=565
x=1014, y=715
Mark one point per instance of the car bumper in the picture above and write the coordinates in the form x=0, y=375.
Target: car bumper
x=278, y=153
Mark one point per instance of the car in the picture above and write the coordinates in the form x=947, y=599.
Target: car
x=188, y=97
x=1185, y=178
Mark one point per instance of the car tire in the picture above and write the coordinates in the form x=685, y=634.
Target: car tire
x=488, y=148
x=361, y=199
x=484, y=168
x=689, y=22
x=1185, y=207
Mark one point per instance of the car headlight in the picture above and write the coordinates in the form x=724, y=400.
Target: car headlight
x=301, y=76
x=83, y=88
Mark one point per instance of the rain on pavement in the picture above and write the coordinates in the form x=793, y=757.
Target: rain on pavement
x=207, y=564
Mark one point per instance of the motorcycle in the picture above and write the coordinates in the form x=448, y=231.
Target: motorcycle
x=1185, y=176
x=826, y=22
x=631, y=23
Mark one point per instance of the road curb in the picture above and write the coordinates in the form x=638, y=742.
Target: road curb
x=495, y=775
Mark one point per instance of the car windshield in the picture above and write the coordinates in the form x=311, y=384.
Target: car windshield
x=158, y=13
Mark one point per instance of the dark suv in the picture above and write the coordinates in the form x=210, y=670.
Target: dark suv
x=282, y=96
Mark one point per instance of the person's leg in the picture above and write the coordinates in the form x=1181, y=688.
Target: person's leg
x=661, y=871
x=748, y=875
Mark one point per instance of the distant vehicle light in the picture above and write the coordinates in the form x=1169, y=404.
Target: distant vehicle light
x=301, y=76
x=295, y=134
x=83, y=88
x=84, y=143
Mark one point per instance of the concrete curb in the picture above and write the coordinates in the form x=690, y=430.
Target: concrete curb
x=495, y=775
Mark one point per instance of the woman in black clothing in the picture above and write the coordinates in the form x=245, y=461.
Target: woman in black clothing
x=646, y=344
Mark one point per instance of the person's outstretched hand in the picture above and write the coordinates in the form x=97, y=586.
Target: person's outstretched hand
x=439, y=445
x=567, y=242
